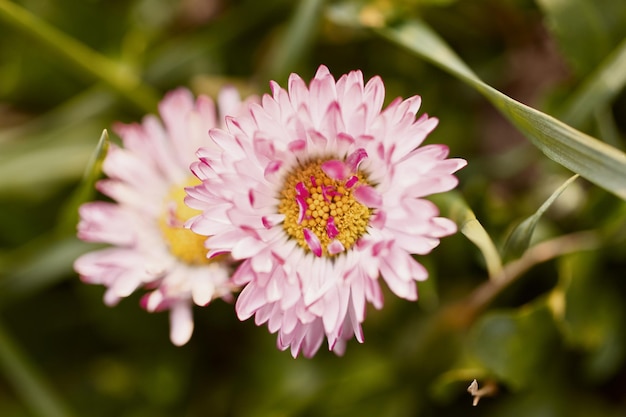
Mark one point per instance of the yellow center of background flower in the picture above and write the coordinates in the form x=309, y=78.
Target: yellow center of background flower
x=327, y=200
x=183, y=243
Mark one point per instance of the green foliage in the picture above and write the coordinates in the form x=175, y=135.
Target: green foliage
x=86, y=191
x=587, y=30
x=598, y=88
x=593, y=315
x=585, y=155
x=516, y=346
x=455, y=208
x=534, y=309
x=519, y=240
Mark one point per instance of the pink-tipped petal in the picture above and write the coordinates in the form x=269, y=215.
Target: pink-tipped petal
x=368, y=155
x=368, y=196
x=355, y=158
x=313, y=241
x=148, y=178
x=335, y=247
x=272, y=168
x=335, y=169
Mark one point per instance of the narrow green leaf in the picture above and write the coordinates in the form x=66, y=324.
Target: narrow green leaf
x=37, y=265
x=594, y=160
x=454, y=206
x=598, y=89
x=519, y=239
x=38, y=173
x=86, y=190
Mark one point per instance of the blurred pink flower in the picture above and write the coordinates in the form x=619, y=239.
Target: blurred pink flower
x=319, y=192
x=151, y=249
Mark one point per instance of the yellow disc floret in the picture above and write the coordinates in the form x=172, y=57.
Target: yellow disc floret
x=321, y=213
x=183, y=243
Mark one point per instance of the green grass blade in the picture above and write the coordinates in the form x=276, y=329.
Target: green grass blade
x=594, y=160
x=600, y=87
x=89, y=62
x=86, y=190
x=519, y=240
x=38, y=265
x=454, y=206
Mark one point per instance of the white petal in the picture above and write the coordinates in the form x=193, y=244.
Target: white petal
x=181, y=323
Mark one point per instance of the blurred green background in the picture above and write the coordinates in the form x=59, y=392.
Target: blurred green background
x=547, y=337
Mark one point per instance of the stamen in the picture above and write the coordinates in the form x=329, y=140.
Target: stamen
x=321, y=211
x=327, y=192
x=331, y=228
x=350, y=183
x=184, y=244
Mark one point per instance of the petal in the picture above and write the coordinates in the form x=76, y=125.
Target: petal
x=368, y=196
x=249, y=301
x=336, y=170
x=313, y=242
x=335, y=247
x=355, y=158
x=181, y=323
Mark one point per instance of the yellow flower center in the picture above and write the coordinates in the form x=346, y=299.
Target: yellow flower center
x=183, y=243
x=321, y=213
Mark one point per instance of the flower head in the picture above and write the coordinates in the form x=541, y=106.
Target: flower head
x=149, y=247
x=320, y=192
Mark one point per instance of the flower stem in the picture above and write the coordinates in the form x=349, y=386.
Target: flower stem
x=117, y=76
x=26, y=380
x=541, y=252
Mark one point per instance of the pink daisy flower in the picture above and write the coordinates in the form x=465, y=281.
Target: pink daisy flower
x=320, y=192
x=150, y=249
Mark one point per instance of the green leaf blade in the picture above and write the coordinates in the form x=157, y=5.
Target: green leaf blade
x=519, y=240
x=86, y=189
x=594, y=160
x=598, y=89
x=454, y=206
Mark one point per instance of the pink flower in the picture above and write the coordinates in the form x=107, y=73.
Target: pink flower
x=149, y=247
x=320, y=192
